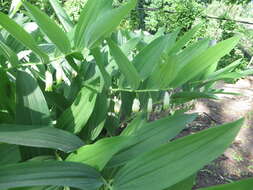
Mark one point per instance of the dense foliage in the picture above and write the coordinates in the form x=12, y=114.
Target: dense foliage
x=78, y=94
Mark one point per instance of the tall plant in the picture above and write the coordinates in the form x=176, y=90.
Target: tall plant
x=71, y=101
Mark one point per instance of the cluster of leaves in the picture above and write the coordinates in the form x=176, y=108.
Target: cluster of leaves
x=173, y=14
x=59, y=126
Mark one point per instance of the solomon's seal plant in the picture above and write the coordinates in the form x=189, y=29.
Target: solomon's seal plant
x=62, y=135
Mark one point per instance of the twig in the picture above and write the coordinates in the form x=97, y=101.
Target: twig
x=219, y=18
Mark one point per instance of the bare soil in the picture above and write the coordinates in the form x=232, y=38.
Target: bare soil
x=237, y=161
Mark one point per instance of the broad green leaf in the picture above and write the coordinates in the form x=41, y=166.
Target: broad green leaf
x=164, y=73
x=101, y=65
x=137, y=123
x=192, y=51
x=182, y=97
x=91, y=11
x=97, y=120
x=44, y=137
x=7, y=95
x=125, y=66
x=146, y=61
x=175, y=161
x=186, y=184
x=50, y=173
x=203, y=61
x=62, y=15
x=172, y=37
x=130, y=45
x=21, y=35
x=184, y=39
x=38, y=188
x=107, y=22
x=151, y=136
x=9, y=154
x=224, y=70
x=244, y=184
x=98, y=154
x=50, y=28
x=77, y=115
x=31, y=108
x=10, y=55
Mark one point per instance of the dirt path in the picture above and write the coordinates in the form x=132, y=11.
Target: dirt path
x=237, y=161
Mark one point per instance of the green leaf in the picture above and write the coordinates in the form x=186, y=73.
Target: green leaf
x=136, y=124
x=182, y=97
x=246, y=184
x=10, y=55
x=62, y=15
x=164, y=73
x=175, y=161
x=44, y=137
x=98, y=20
x=98, y=154
x=130, y=45
x=101, y=65
x=107, y=22
x=146, y=61
x=91, y=11
x=125, y=66
x=31, y=108
x=7, y=95
x=186, y=184
x=184, y=39
x=224, y=70
x=77, y=115
x=50, y=28
x=97, y=120
x=151, y=136
x=203, y=61
x=50, y=173
x=9, y=154
x=21, y=35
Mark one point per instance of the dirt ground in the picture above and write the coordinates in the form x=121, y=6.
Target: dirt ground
x=237, y=162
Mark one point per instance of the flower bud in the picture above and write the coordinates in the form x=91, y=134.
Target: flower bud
x=117, y=106
x=59, y=75
x=49, y=81
x=166, y=101
x=74, y=74
x=136, y=105
x=150, y=104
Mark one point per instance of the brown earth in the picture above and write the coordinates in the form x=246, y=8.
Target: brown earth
x=237, y=162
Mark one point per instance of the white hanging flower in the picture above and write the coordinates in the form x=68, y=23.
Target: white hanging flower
x=136, y=105
x=74, y=74
x=166, y=101
x=150, y=104
x=49, y=81
x=59, y=74
x=117, y=106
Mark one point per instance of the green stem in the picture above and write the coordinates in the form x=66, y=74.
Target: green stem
x=136, y=91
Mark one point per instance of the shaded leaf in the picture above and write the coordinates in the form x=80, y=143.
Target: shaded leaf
x=98, y=154
x=76, y=116
x=175, y=161
x=125, y=66
x=50, y=28
x=44, y=137
x=21, y=35
x=62, y=15
x=49, y=173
